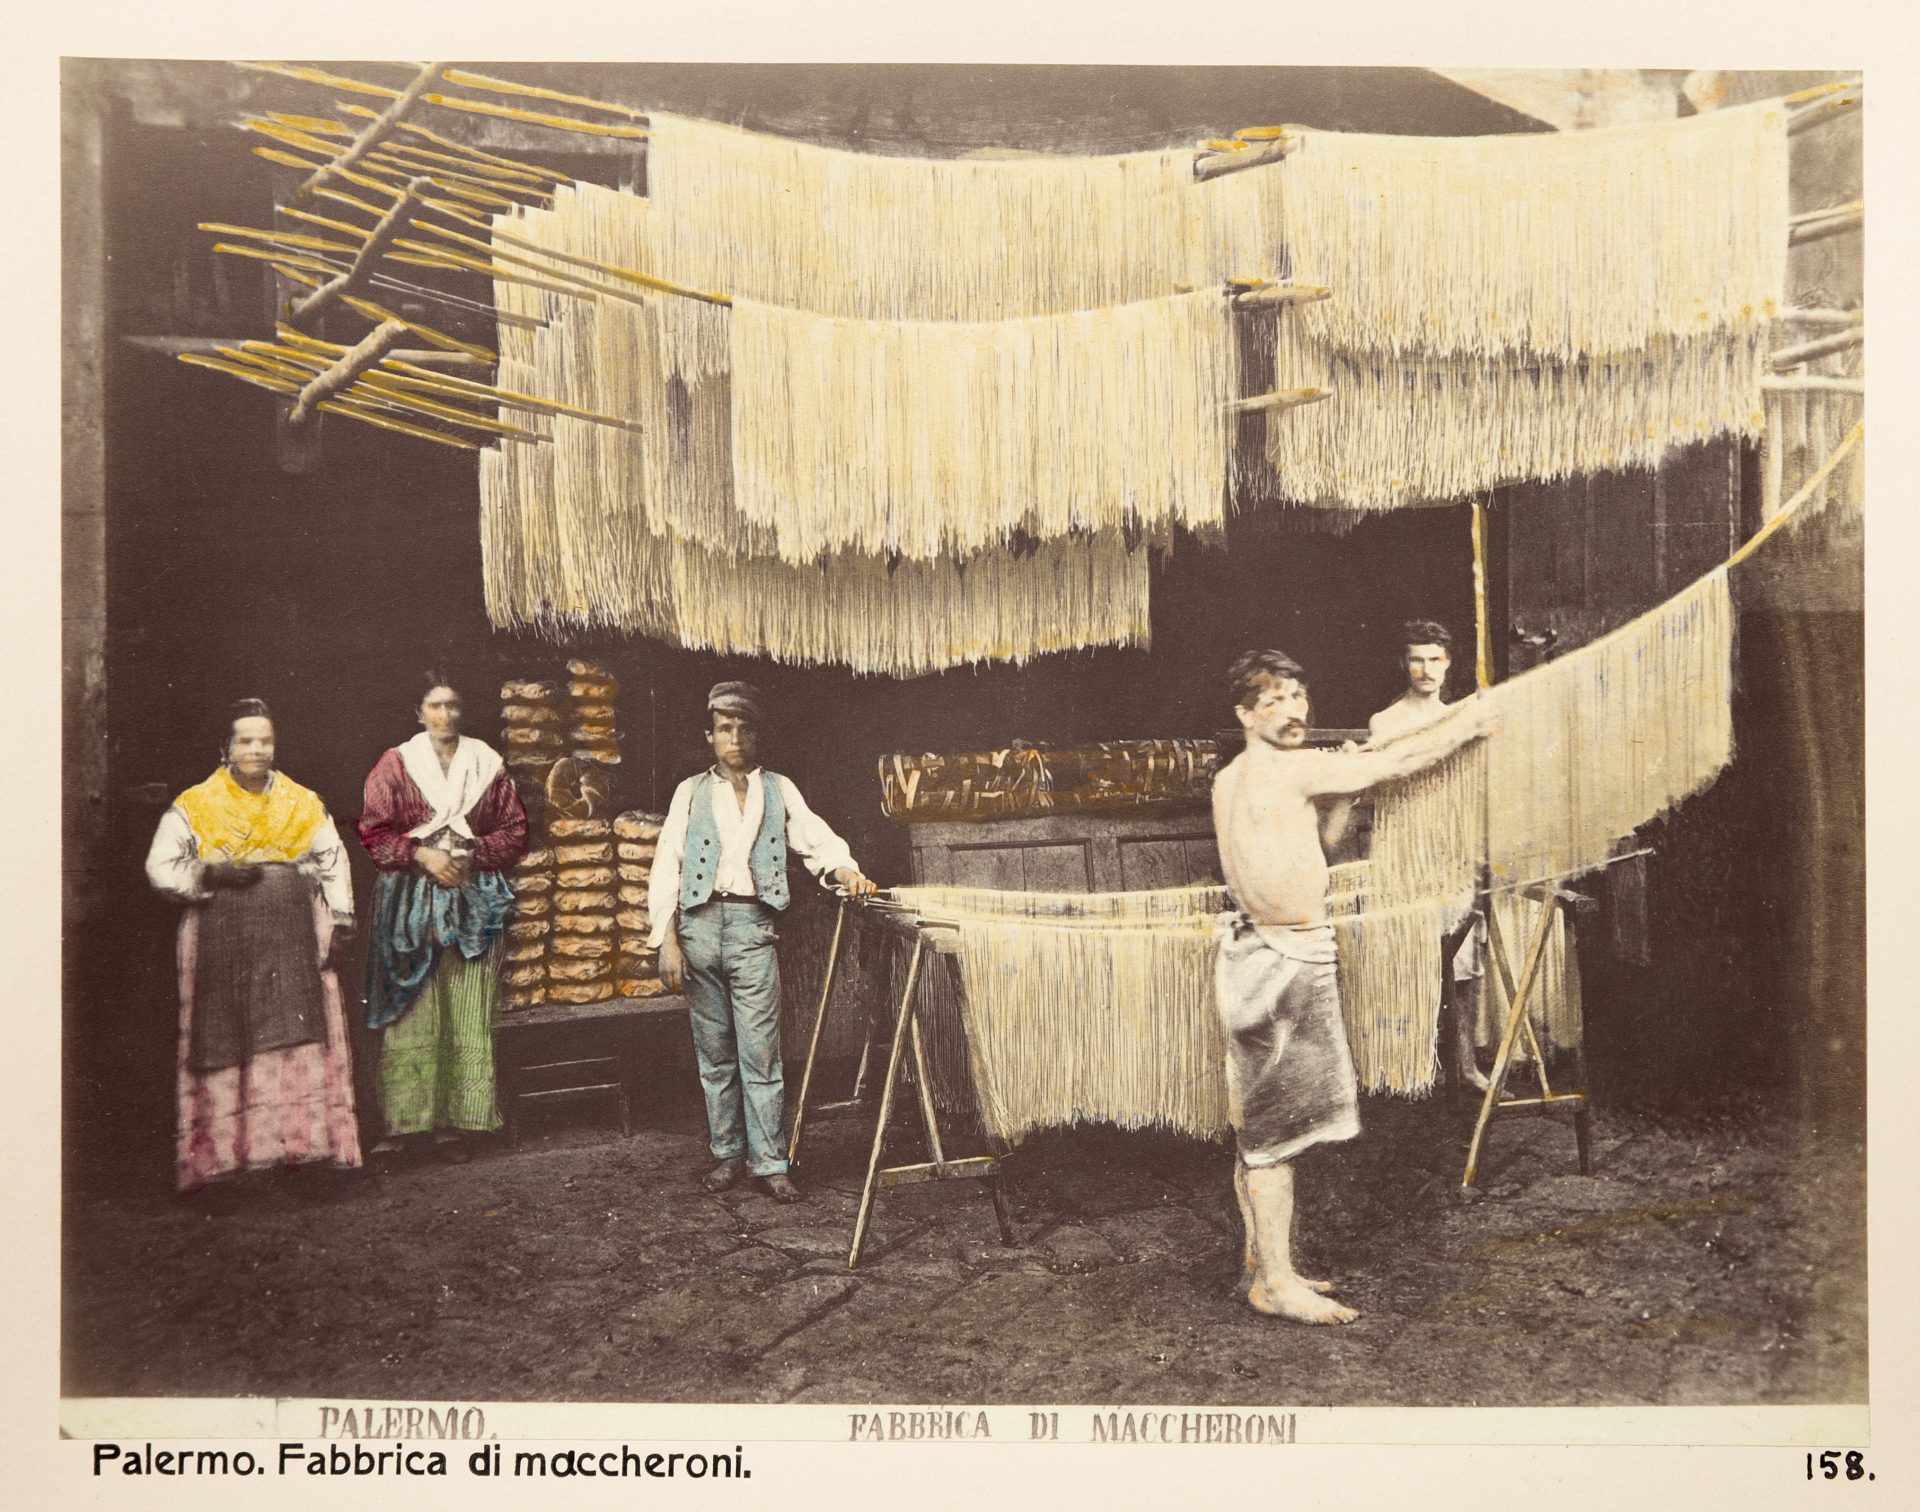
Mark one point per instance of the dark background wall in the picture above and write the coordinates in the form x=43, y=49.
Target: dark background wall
x=327, y=591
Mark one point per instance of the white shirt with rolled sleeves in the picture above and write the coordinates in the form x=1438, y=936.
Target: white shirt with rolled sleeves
x=174, y=866
x=808, y=836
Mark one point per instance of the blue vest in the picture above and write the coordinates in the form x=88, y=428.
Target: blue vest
x=766, y=862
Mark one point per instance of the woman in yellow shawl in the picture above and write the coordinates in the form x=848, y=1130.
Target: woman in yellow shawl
x=263, y=1073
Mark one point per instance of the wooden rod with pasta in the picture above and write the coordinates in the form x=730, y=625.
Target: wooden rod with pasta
x=321, y=76
x=1822, y=346
x=377, y=343
x=373, y=132
x=1811, y=316
x=413, y=128
x=1274, y=295
x=1814, y=383
x=1280, y=399
x=1830, y=108
x=375, y=246
x=534, y=92
x=1213, y=165
x=1807, y=490
x=632, y=275
x=535, y=118
x=1818, y=224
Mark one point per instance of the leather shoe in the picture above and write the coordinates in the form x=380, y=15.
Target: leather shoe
x=781, y=1189
x=723, y=1175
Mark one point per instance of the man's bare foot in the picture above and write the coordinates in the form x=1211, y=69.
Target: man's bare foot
x=1325, y=1288
x=1300, y=1302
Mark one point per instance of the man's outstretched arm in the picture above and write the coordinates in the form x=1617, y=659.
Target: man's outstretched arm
x=1342, y=773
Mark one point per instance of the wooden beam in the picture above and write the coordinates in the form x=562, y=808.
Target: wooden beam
x=1280, y=399
x=1796, y=316
x=1273, y=296
x=1820, y=346
x=1823, y=224
x=1829, y=108
x=378, y=342
x=1814, y=383
x=372, y=133
x=1213, y=165
x=377, y=242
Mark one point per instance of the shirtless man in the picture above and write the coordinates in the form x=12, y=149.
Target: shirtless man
x=1427, y=655
x=1289, y=1072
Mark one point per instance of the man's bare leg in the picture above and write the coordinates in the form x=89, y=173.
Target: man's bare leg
x=1249, y=1261
x=1466, y=1014
x=1277, y=1288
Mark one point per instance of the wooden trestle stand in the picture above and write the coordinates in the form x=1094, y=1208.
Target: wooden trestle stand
x=926, y=934
x=1554, y=901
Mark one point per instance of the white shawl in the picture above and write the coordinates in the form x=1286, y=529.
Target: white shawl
x=452, y=793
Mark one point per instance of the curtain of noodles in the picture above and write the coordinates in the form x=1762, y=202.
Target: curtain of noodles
x=882, y=238
x=1589, y=242
x=1611, y=735
x=926, y=438
x=1089, y=1007
x=602, y=527
x=1401, y=431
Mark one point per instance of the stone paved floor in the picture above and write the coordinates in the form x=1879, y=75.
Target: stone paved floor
x=1716, y=1262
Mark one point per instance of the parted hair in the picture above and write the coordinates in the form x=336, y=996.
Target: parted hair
x=239, y=709
x=1425, y=633
x=1252, y=671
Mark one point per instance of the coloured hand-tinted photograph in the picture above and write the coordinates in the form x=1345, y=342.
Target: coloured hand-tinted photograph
x=938, y=738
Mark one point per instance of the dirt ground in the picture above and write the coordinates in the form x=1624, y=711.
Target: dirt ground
x=1713, y=1261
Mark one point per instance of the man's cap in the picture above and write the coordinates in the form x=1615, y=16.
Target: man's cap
x=736, y=698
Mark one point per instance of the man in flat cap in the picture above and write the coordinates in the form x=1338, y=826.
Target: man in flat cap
x=718, y=886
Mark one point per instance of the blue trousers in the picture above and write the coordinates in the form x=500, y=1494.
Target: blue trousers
x=733, y=994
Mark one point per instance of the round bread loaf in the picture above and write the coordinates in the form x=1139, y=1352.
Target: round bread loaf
x=583, y=924
x=639, y=987
x=532, y=884
x=536, y=741
x=519, y=952
x=583, y=900
x=631, y=894
x=527, y=929
x=540, y=860
x=567, y=969
x=532, y=973
x=533, y=692
x=634, y=920
x=635, y=850
x=634, y=873
x=593, y=690
x=525, y=907
x=606, y=756
x=635, y=824
x=578, y=667
x=586, y=878
x=517, y=998
x=579, y=829
x=584, y=853
x=582, y=947
x=517, y=714
x=593, y=713
x=579, y=992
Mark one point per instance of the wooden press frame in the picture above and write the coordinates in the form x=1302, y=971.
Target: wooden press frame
x=927, y=934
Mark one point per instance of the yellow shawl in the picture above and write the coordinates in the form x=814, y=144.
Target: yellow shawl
x=231, y=824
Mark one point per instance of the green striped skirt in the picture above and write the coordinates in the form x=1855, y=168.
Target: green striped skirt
x=436, y=1063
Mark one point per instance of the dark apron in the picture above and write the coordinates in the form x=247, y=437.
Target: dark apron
x=256, y=982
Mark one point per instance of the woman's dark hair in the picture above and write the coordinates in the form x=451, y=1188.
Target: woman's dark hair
x=431, y=679
x=242, y=708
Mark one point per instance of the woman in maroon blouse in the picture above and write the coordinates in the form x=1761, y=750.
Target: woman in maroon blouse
x=444, y=824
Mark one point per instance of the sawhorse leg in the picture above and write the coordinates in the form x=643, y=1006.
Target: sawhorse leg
x=1516, y=1023
x=906, y=1031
